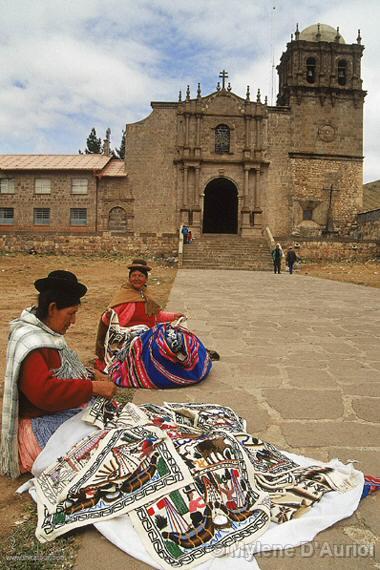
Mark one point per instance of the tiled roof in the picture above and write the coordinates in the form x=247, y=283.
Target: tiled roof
x=115, y=167
x=53, y=161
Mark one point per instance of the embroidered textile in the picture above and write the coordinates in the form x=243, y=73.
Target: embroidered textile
x=105, y=475
x=190, y=478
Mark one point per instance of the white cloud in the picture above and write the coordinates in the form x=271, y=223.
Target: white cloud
x=70, y=65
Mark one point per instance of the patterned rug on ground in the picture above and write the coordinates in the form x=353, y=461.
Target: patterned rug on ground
x=189, y=476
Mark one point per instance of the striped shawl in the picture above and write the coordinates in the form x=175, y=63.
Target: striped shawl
x=28, y=333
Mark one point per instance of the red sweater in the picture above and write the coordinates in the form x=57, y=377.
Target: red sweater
x=41, y=393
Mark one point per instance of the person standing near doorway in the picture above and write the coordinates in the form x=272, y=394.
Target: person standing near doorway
x=277, y=254
x=185, y=233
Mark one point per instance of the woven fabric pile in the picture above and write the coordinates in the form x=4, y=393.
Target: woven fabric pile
x=165, y=356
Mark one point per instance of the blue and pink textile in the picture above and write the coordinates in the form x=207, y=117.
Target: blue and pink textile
x=162, y=357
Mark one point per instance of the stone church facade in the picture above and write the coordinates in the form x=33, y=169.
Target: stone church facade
x=220, y=163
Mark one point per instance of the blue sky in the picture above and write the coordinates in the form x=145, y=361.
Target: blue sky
x=70, y=65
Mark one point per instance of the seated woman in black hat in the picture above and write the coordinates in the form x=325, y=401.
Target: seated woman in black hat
x=133, y=305
x=45, y=382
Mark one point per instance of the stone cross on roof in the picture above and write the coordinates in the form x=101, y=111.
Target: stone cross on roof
x=223, y=76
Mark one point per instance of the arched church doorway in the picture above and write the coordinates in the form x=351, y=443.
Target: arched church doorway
x=220, y=212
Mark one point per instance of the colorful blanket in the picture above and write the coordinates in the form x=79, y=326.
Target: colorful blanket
x=192, y=486
x=162, y=357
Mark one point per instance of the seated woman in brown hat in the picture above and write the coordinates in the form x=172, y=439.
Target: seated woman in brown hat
x=45, y=382
x=133, y=305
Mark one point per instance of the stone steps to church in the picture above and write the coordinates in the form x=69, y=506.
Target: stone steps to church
x=227, y=252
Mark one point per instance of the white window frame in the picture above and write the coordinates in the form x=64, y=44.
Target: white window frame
x=43, y=220
x=7, y=185
x=75, y=217
x=5, y=220
x=42, y=186
x=79, y=186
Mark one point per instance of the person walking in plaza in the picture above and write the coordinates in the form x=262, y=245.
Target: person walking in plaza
x=291, y=258
x=277, y=254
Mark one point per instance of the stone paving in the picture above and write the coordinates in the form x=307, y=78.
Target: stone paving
x=300, y=360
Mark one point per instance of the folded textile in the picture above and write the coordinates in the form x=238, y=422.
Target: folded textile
x=165, y=356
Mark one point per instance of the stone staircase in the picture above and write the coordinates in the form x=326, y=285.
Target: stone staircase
x=224, y=251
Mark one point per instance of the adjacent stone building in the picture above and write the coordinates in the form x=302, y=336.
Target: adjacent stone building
x=220, y=162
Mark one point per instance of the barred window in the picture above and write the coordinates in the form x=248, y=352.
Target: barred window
x=42, y=186
x=7, y=186
x=78, y=216
x=342, y=72
x=41, y=216
x=6, y=216
x=311, y=66
x=222, y=139
x=79, y=186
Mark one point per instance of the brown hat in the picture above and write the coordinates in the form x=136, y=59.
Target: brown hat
x=61, y=280
x=139, y=265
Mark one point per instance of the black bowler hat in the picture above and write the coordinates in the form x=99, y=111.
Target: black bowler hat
x=61, y=280
x=139, y=265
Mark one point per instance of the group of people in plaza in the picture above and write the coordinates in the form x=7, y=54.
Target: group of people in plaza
x=45, y=381
x=291, y=258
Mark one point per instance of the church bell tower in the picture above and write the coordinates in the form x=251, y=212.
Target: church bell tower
x=320, y=81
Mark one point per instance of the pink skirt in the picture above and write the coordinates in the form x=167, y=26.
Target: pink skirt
x=28, y=447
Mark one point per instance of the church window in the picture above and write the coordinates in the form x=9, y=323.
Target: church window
x=79, y=186
x=308, y=214
x=311, y=66
x=42, y=186
x=78, y=216
x=41, y=216
x=7, y=186
x=342, y=72
x=6, y=216
x=222, y=139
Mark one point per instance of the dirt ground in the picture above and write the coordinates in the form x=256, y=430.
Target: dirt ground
x=360, y=273
x=102, y=276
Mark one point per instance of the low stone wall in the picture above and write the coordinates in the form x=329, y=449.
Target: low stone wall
x=369, y=224
x=164, y=244
x=343, y=249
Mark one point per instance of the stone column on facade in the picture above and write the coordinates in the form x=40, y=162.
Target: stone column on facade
x=186, y=149
x=258, y=134
x=257, y=211
x=246, y=187
x=247, y=148
x=197, y=150
x=185, y=186
x=196, y=225
x=245, y=212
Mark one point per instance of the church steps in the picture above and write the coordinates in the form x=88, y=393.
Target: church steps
x=227, y=252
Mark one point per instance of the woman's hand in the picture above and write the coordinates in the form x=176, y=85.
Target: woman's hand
x=99, y=376
x=178, y=316
x=104, y=388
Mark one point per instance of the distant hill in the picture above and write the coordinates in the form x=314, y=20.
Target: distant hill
x=371, y=196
